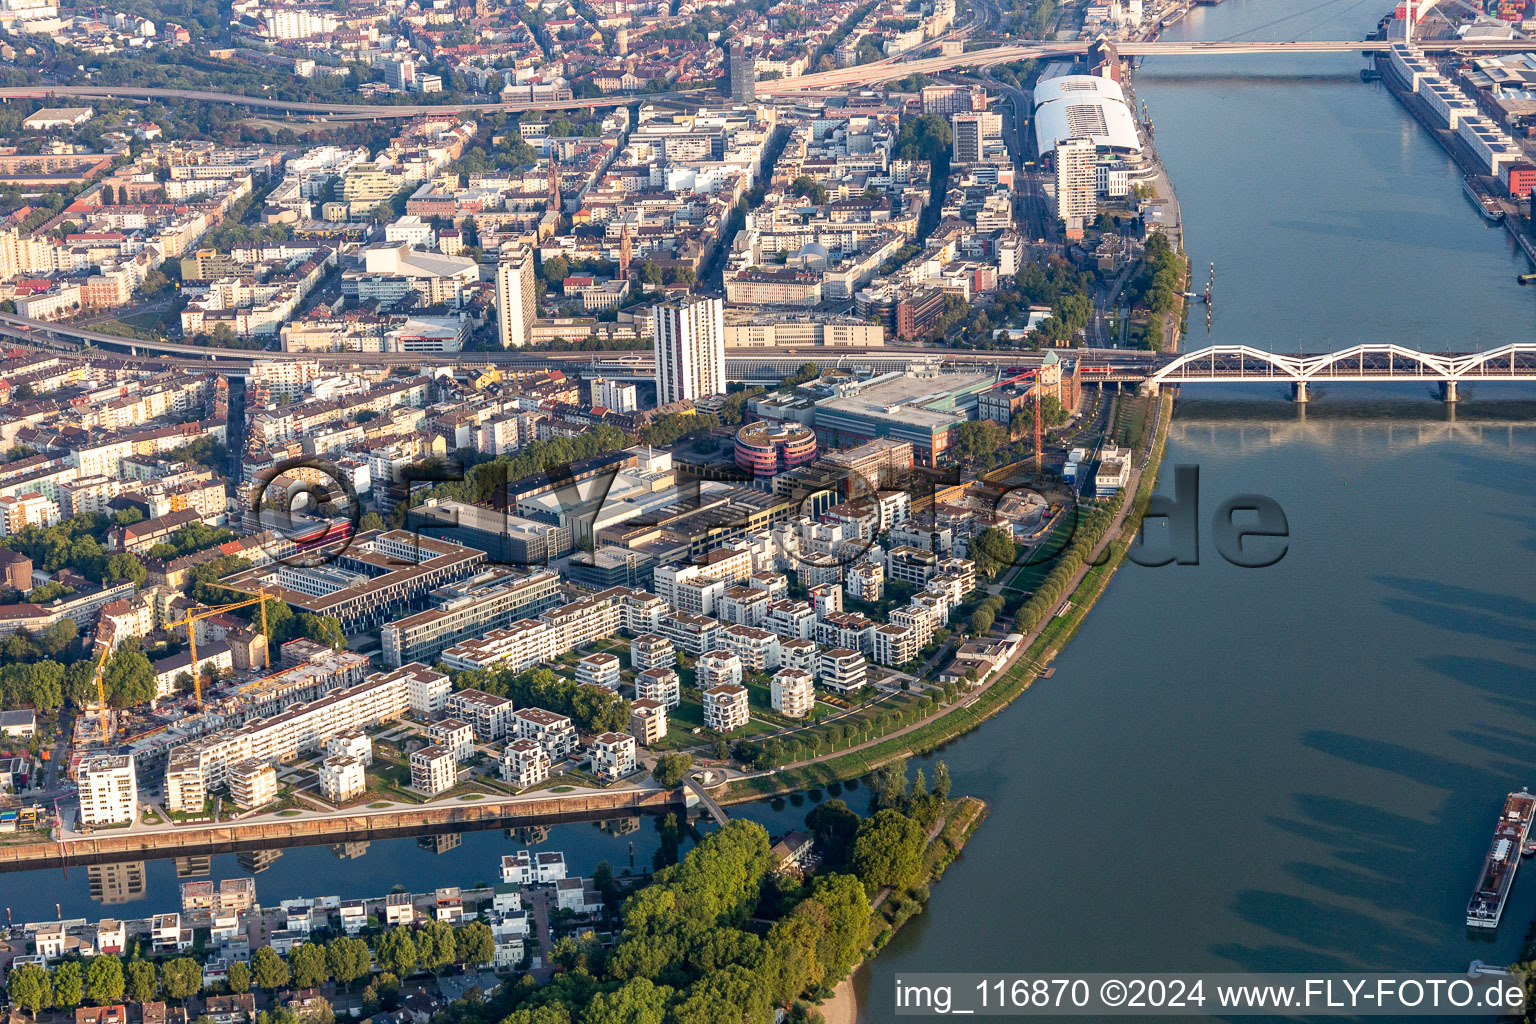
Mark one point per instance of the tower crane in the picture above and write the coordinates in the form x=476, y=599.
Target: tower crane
x=191, y=623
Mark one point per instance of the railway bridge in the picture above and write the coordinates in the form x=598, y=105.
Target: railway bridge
x=1241, y=364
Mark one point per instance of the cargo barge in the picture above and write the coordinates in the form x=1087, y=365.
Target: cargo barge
x=1482, y=199
x=1498, y=874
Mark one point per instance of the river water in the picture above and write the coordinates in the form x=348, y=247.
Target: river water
x=1292, y=768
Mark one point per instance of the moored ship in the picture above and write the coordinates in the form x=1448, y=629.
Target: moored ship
x=1498, y=874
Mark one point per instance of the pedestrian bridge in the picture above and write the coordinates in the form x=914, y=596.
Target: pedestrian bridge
x=1240, y=364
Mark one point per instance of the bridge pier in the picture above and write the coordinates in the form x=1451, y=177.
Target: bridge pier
x=1448, y=391
x=1149, y=388
x=1299, y=392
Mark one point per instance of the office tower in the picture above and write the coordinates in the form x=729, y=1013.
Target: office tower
x=690, y=349
x=516, y=304
x=974, y=133
x=1077, y=198
x=743, y=75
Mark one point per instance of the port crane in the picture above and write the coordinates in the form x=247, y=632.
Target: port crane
x=191, y=623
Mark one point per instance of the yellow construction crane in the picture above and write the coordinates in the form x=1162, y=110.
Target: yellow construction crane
x=191, y=623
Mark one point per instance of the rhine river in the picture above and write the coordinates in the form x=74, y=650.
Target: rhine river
x=1292, y=768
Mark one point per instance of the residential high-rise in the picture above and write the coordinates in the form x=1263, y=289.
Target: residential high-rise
x=689, y=342
x=109, y=790
x=1077, y=198
x=516, y=304
x=743, y=75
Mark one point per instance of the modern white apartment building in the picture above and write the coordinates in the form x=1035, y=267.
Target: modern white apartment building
x=490, y=715
x=524, y=763
x=841, y=669
x=744, y=606
x=647, y=720
x=519, y=647
x=433, y=770
x=659, y=684
x=454, y=736
x=725, y=707
x=599, y=670
x=354, y=743
x=865, y=581
x=792, y=693
x=651, y=650
x=758, y=649
x=613, y=755
x=554, y=732
x=516, y=303
x=252, y=784
x=895, y=645
x=689, y=343
x=718, y=667
x=692, y=634
x=792, y=620
x=799, y=654
x=342, y=778
x=109, y=790
x=304, y=728
x=19, y=511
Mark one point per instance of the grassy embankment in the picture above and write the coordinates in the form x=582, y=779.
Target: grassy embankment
x=961, y=719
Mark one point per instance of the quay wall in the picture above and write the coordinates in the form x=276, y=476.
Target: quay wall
x=232, y=837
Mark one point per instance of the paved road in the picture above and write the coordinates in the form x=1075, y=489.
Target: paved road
x=342, y=110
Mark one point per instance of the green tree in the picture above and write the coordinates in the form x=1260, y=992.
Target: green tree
x=887, y=851
x=637, y=1001
x=182, y=978
x=396, y=951
x=670, y=769
x=239, y=977
x=834, y=826
x=792, y=965
x=125, y=566
x=838, y=907
x=30, y=988
x=556, y=269
x=68, y=985
x=322, y=629
x=347, y=959
x=436, y=945
x=143, y=981
x=268, y=970
x=981, y=621
x=129, y=679
x=475, y=944
x=306, y=965
x=104, y=981
x=370, y=521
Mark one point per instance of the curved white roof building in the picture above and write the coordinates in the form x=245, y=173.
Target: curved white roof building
x=1084, y=107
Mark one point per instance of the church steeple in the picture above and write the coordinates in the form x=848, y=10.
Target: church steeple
x=626, y=252
x=554, y=183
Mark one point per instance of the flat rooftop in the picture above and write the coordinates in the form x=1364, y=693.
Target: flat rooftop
x=922, y=400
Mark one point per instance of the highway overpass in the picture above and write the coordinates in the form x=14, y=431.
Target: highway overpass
x=892, y=69
x=332, y=111
x=761, y=364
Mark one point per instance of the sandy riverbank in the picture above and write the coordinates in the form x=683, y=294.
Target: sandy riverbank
x=843, y=1007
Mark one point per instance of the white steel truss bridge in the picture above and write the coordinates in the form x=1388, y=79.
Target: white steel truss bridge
x=1239, y=364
